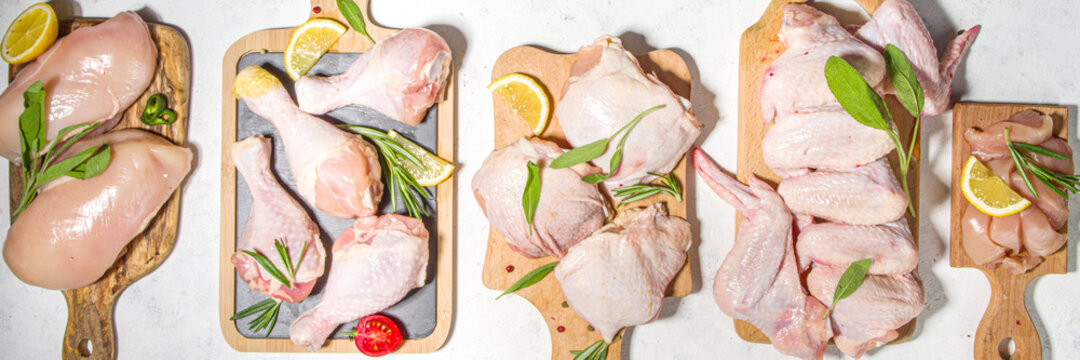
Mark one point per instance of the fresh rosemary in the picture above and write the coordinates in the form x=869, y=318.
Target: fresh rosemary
x=1025, y=165
x=399, y=181
x=597, y=351
x=268, y=309
x=637, y=192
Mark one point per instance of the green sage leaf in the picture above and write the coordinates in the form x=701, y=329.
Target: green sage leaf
x=352, y=14
x=593, y=179
x=855, y=95
x=531, y=196
x=580, y=154
x=530, y=279
x=32, y=122
x=849, y=281
x=97, y=163
x=63, y=167
x=903, y=78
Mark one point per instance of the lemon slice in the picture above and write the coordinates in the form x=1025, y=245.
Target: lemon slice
x=32, y=32
x=526, y=98
x=989, y=193
x=438, y=170
x=308, y=43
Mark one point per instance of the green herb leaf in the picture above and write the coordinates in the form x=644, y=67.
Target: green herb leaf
x=399, y=182
x=593, y=179
x=97, y=163
x=903, y=78
x=531, y=196
x=1035, y=149
x=530, y=279
x=1020, y=164
x=854, y=94
x=63, y=167
x=849, y=282
x=597, y=351
x=269, y=266
x=355, y=18
x=283, y=253
x=251, y=310
x=32, y=122
x=580, y=154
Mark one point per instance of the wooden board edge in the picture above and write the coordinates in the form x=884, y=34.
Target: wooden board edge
x=447, y=111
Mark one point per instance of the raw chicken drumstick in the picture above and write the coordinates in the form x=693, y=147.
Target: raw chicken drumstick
x=274, y=216
x=335, y=171
x=401, y=77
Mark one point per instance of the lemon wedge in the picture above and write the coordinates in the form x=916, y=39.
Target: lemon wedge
x=308, y=43
x=526, y=98
x=989, y=193
x=32, y=32
x=437, y=170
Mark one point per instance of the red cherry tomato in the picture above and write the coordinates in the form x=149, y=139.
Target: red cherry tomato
x=377, y=335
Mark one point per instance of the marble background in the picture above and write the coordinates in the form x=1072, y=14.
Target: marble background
x=1026, y=53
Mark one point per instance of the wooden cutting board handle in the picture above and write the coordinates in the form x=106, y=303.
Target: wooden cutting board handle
x=90, y=332
x=1007, y=317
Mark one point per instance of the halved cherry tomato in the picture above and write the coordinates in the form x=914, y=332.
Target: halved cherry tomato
x=377, y=335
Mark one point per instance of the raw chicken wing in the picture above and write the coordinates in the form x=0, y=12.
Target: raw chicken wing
x=75, y=229
x=617, y=277
x=759, y=280
x=275, y=215
x=335, y=171
x=606, y=90
x=90, y=76
x=568, y=210
x=889, y=246
x=376, y=262
x=870, y=316
x=401, y=77
x=821, y=139
x=866, y=195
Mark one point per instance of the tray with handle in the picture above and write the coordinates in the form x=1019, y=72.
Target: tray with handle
x=758, y=48
x=552, y=70
x=90, y=332
x=1006, y=315
x=425, y=313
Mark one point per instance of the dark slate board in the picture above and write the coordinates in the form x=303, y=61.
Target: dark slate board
x=416, y=312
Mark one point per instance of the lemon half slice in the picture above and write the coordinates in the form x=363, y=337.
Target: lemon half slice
x=308, y=43
x=526, y=98
x=989, y=193
x=438, y=170
x=32, y=32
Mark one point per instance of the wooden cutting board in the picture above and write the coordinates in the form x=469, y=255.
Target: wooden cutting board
x=90, y=332
x=1006, y=316
x=552, y=70
x=758, y=48
x=275, y=40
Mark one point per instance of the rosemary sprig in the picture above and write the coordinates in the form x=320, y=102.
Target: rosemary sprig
x=597, y=351
x=400, y=182
x=268, y=309
x=1025, y=164
x=637, y=192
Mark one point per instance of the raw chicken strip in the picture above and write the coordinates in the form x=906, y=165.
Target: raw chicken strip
x=75, y=229
x=822, y=139
x=870, y=316
x=795, y=81
x=896, y=22
x=866, y=195
x=1017, y=265
x=401, y=77
x=617, y=277
x=90, y=76
x=1057, y=145
x=1053, y=205
x=1039, y=238
x=568, y=210
x=335, y=171
x=975, y=227
x=759, y=280
x=1028, y=126
x=1005, y=232
x=890, y=246
x=606, y=90
x=274, y=215
x=376, y=262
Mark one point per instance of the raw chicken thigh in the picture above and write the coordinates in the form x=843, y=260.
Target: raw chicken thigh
x=617, y=277
x=795, y=82
x=759, y=280
x=90, y=76
x=606, y=90
x=274, y=216
x=335, y=171
x=896, y=22
x=401, y=77
x=376, y=262
x=75, y=229
x=568, y=210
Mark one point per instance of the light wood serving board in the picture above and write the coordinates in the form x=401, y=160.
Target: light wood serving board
x=758, y=48
x=275, y=40
x=1006, y=316
x=90, y=332
x=552, y=71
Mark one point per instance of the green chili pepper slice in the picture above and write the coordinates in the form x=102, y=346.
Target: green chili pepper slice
x=155, y=106
x=166, y=117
